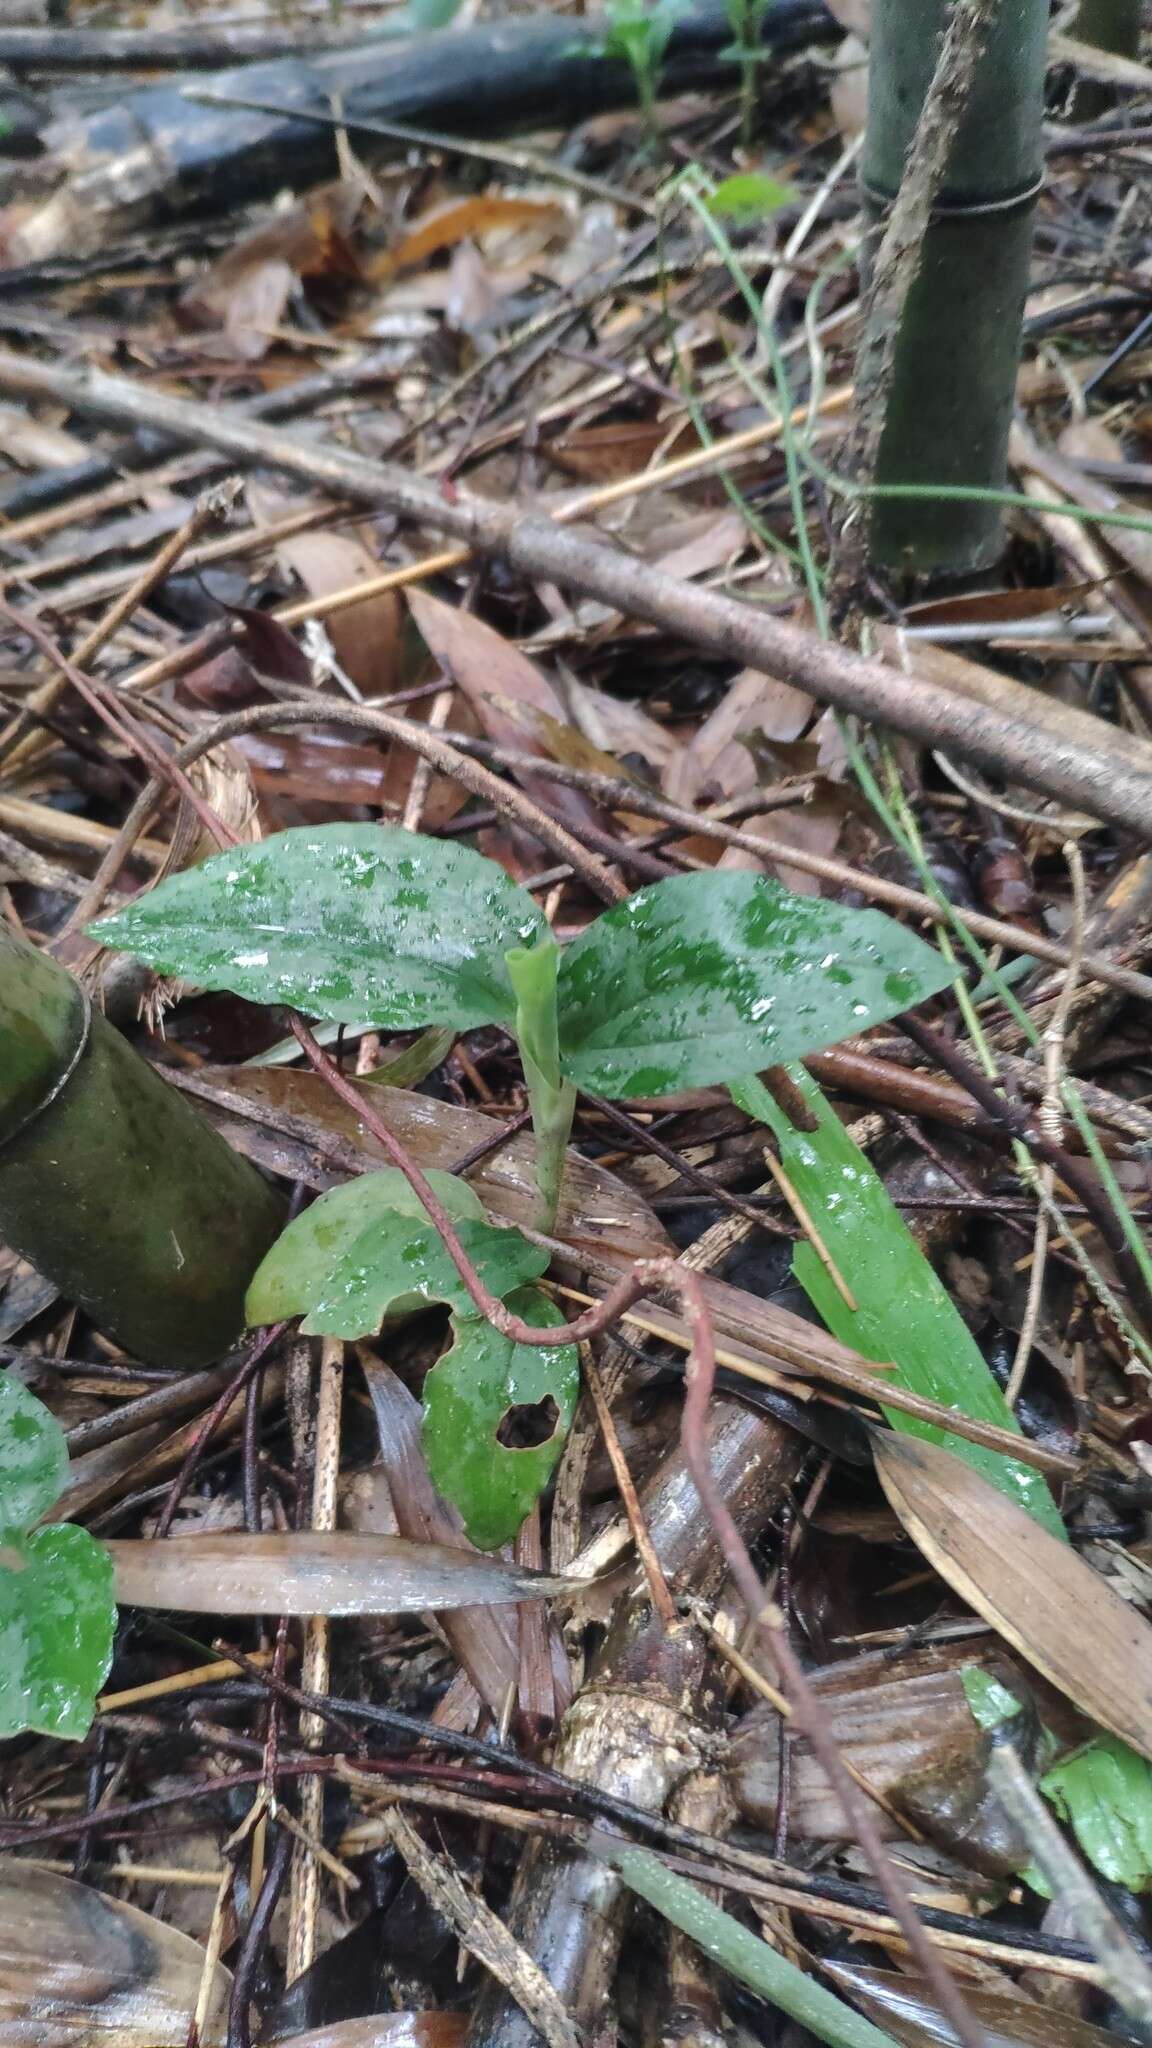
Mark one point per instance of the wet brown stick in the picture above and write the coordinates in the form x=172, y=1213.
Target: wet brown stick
x=1069, y=755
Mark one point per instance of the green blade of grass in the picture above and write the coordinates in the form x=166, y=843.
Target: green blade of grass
x=744, y=1955
x=904, y=1316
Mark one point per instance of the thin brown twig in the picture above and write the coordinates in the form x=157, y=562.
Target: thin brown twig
x=16, y=740
x=115, y=717
x=662, y=1599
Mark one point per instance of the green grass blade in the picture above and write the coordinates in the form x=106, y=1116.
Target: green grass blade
x=904, y=1316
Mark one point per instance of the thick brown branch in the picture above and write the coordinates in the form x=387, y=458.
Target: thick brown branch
x=1072, y=756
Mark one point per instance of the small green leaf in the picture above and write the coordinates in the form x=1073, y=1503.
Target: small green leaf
x=33, y=1459
x=352, y=923
x=57, y=1622
x=990, y=1702
x=368, y=1249
x=1104, y=1791
x=468, y=1393
x=904, y=1315
x=705, y=977
x=748, y=196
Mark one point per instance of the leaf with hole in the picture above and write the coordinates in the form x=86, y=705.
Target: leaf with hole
x=468, y=1397
x=904, y=1315
x=368, y=1249
x=351, y=923
x=704, y=977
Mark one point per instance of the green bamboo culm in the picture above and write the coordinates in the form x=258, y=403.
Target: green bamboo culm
x=950, y=403
x=111, y=1184
x=1112, y=25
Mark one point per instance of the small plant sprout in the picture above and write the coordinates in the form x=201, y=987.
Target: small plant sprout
x=691, y=982
x=640, y=34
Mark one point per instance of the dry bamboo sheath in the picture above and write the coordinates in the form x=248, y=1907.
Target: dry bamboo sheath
x=992, y=720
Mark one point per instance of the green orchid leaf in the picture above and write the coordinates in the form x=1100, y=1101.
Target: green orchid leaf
x=349, y=923
x=467, y=1396
x=904, y=1315
x=703, y=977
x=33, y=1459
x=57, y=1622
x=368, y=1250
x=1104, y=1792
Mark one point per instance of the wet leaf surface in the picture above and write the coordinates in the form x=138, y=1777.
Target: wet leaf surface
x=904, y=1315
x=33, y=1458
x=467, y=1396
x=57, y=1614
x=705, y=977
x=352, y=923
x=369, y=1250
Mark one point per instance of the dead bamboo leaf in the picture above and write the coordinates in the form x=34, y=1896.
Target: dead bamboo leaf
x=81, y=1970
x=388, y=2030
x=482, y=1639
x=496, y=679
x=314, y=1574
x=469, y=219
x=1040, y=1596
x=597, y=1211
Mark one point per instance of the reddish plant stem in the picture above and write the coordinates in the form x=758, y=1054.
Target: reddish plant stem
x=663, y=1273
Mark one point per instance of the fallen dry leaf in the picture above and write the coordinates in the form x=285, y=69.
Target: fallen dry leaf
x=300, y=1111
x=311, y=1573
x=366, y=636
x=1032, y=1589
x=715, y=763
x=80, y=1968
x=241, y=298
x=496, y=678
x=468, y=219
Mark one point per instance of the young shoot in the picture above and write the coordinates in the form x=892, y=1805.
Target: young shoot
x=694, y=981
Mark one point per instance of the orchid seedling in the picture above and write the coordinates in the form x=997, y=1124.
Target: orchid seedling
x=695, y=981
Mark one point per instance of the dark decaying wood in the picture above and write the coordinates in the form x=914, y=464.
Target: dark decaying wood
x=157, y=154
